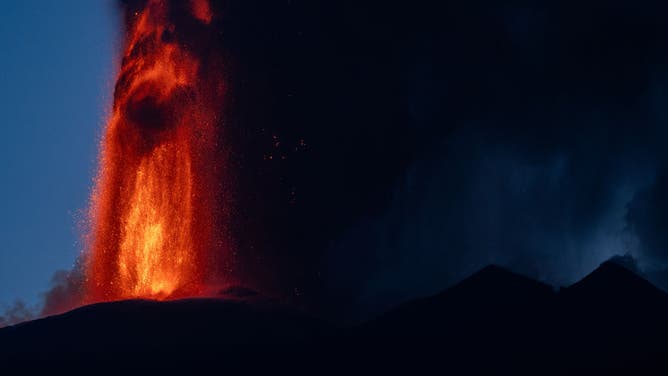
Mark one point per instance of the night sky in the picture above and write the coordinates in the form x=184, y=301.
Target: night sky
x=380, y=151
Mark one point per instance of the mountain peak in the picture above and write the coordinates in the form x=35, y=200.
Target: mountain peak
x=498, y=273
x=613, y=278
x=493, y=269
x=493, y=279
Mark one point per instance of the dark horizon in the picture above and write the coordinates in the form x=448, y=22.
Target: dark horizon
x=493, y=322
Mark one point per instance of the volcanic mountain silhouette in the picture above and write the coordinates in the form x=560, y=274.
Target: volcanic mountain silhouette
x=495, y=321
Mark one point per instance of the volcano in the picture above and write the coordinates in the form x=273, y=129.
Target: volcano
x=350, y=165
x=494, y=322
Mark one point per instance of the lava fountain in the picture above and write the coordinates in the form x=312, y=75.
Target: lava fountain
x=155, y=215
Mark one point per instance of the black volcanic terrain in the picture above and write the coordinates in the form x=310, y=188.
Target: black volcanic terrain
x=493, y=322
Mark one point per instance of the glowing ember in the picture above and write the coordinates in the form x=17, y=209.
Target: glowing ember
x=154, y=211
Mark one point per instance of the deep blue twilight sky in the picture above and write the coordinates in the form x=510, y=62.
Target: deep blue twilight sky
x=56, y=77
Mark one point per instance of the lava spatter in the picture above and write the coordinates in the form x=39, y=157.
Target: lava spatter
x=154, y=213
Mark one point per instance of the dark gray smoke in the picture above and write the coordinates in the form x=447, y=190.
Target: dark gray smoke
x=540, y=134
x=382, y=151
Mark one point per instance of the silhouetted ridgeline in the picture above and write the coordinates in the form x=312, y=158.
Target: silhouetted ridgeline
x=495, y=321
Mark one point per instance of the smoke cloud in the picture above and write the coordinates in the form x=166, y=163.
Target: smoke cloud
x=17, y=313
x=381, y=151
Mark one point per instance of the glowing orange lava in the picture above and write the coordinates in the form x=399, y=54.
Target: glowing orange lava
x=154, y=212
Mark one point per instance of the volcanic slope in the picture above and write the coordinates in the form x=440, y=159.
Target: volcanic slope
x=495, y=321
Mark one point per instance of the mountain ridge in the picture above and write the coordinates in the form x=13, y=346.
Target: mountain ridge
x=611, y=319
